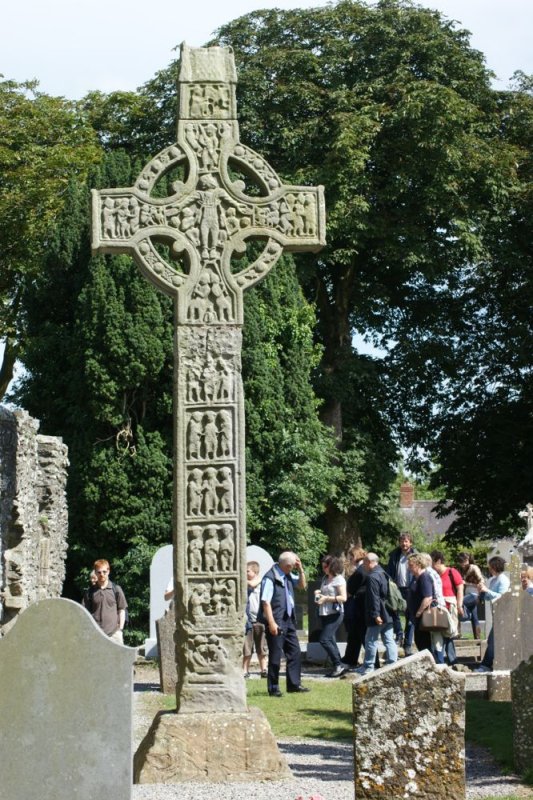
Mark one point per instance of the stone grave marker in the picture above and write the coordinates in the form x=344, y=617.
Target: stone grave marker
x=166, y=628
x=63, y=684
x=161, y=572
x=409, y=732
x=223, y=196
x=522, y=705
x=512, y=621
x=511, y=617
x=259, y=554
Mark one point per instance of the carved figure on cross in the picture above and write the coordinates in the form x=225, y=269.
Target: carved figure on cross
x=211, y=213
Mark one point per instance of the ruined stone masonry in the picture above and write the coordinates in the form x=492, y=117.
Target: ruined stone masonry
x=33, y=515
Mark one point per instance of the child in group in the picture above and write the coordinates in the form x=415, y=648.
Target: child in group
x=255, y=631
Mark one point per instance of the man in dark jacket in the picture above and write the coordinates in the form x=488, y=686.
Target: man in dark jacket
x=398, y=571
x=277, y=614
x=378, y=619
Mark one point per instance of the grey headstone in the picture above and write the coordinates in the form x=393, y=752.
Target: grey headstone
x=168, y=672
x=66, y=706
x=512, y=622
x=522, y=705
x=160, y=577
x=409, y=721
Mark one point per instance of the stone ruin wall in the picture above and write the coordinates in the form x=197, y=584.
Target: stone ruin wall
x=33, y=515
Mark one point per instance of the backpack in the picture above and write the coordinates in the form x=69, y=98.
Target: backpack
x=394, y=601
x=88, y=601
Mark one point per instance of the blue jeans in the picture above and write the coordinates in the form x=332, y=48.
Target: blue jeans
x=470, y=604
x=408, y=636
x=330, y=623
x=373, y=634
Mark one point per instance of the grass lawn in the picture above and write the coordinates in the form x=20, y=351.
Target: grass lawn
x=326, y=713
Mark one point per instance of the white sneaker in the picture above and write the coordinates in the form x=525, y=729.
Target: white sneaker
x=482, y=668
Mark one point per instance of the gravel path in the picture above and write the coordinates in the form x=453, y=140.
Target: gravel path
x=318, y=767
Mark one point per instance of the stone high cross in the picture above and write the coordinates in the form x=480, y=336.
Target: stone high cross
x=184, y=244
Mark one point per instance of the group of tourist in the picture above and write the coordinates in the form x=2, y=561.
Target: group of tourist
x=359, y=594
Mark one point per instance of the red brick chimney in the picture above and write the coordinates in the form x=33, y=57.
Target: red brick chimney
x=407, y=495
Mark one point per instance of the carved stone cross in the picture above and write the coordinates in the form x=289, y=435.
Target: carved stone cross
x=222, y=196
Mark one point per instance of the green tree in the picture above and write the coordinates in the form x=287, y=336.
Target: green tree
x=44, y=143
x=99, y=373
x=467, y=373
x=391, y=109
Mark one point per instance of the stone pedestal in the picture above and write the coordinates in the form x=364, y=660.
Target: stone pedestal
x=210, y=748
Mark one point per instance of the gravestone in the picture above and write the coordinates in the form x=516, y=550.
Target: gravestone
x=522, y=705
x=259, y=554
x=64, y=684
x=160, y=577
x=223, y=196
x=409, y=732
x=166, y=628
x=512, y=621
x=33, y=515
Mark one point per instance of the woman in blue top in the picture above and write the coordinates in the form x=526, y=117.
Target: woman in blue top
x=498, y=584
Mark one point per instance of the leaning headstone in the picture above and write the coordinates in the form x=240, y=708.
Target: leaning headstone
x=409, y=732
x=161, y=572
x=33, y=515
x=66, y=706
x=522, y=705
x=168, y=673
x=221, y=196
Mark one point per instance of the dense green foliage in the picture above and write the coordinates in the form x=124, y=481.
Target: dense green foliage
x=428, y=190
x=44, y=143
x=426, y=175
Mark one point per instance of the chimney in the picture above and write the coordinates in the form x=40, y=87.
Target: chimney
x=407, y=495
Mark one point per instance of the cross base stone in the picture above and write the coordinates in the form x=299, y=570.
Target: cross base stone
x=211, y=748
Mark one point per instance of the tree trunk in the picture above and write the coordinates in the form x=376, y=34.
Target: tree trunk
x=8, y=366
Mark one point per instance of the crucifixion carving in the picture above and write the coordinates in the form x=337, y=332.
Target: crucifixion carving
x=186, y=220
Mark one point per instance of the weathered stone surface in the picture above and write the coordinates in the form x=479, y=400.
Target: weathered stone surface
x=168, y=673
x=512, y=621
x=499, y=686
x=66, y=706
x=214, y=748
x=161, y=572
x=522, y=699
x=33, y=514
x=409, y=732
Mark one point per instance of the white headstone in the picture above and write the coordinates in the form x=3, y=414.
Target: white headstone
x=66, y=705
x=264, y=559
x=160, y=578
